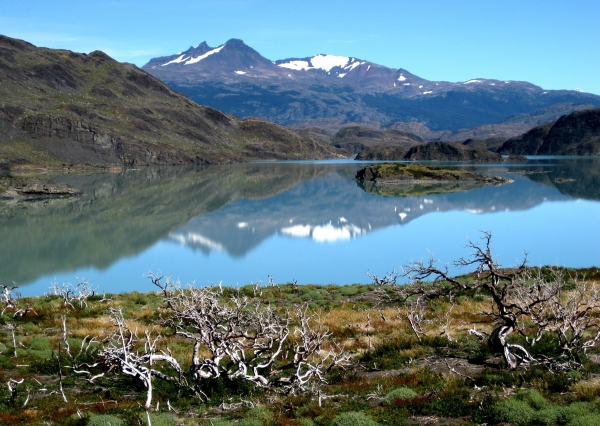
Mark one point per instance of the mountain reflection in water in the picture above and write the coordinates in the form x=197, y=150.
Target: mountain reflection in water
x=304, y=221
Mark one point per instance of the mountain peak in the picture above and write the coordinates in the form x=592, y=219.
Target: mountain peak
x=236, y=42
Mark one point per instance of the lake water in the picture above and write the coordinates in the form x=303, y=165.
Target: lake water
x=307, y=221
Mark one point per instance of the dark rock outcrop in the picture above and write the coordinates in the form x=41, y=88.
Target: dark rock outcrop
x=432, y=151
x=449, y=151
x=491, y=144
x=573, y=134
x=381, y=153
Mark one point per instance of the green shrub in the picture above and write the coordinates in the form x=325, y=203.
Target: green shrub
x=587, y=420
x=104, y=420
x=261, y=414
x=218, y=422
x=548, y=415
x=388, y=355
x=451, y=401
x=249, y=422
x=350, y=290
x=399, y=393
x=514, y=411
x=305, y=422
x=574, y=411
x=354, y=418
x=533, y=398
x=39, y=344
x=159, y=419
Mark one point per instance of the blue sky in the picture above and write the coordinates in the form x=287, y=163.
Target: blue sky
x=552, y=43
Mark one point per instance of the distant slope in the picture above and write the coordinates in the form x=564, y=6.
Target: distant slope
x=59, y=108
x=432, y=151
x=235, y=78
x=573, y=134
x=357, y=139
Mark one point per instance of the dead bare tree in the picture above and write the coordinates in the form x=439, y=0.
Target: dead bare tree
x=524, y=301
x=575, y=320
x=237, y=338
x=9, y=302
x=135, y=356
x=415, y=313
x=70, y=293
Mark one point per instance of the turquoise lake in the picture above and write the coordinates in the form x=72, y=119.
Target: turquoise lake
x=304, y=221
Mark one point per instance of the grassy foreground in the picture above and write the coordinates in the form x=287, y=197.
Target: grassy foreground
x=442, y=376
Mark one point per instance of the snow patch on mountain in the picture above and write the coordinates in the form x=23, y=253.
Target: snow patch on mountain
x=353, y=65
x=206, y=55
x=324, y=63
x=180, y=59
x=472, y=81
x=327, y=62
x=296, y=65
x=401, y=78
x=240, y=72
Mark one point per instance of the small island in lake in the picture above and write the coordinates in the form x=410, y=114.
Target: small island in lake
x=393, y=173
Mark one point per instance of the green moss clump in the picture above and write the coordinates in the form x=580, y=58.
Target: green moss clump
x=514, y=411
x=400, y=393
x=104, y=420
x=354, y=418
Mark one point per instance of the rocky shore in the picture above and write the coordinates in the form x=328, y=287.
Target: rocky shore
x=24, y=188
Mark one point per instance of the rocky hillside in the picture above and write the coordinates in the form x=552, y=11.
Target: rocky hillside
x=573, y=134
x=357, y=139
x=432, y=151
x=237, y=79
x=59, y=108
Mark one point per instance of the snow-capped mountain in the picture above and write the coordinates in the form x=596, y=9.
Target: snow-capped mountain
x=236, y=79
x=233, y=58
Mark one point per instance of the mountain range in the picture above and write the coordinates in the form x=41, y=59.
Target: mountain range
x=59, y=108
x=327, y=90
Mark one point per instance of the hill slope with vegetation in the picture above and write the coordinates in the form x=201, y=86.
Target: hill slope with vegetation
x=60, y=109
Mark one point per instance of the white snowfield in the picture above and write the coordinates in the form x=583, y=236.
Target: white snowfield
x=189, y=60
x=325, y=63
x=206, y=55
x=182, y=58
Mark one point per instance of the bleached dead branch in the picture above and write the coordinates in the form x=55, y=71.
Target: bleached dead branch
x=248, y=340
